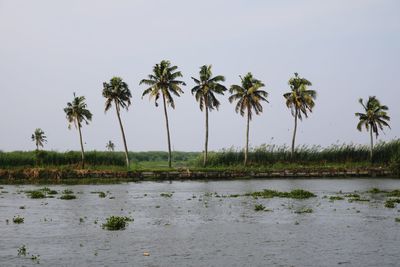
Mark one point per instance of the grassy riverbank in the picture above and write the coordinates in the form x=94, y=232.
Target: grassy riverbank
x=264, y=155
x=264, y=162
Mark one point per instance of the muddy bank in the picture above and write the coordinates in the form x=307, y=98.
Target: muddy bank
x=34, y=174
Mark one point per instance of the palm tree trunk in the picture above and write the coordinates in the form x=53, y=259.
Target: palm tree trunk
x=294, y=133
x=247, y=138
x=123, y=134
x=82, y=150
x=206, y=141
x=372, y=144
x=167, y=125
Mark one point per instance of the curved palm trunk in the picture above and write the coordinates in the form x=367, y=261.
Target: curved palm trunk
x=206, y=141
x=123, y=134
x=247, y=138
x=167, y=125
x=294, y=133
x=82, y=150
x=372, y=144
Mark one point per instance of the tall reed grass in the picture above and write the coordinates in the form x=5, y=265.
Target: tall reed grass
x=95, y=158
x=270, y=154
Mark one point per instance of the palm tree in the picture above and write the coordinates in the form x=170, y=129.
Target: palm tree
x=117, y=92
x=76, y=113
x=374, y=118
x=206, y=87
x=39, y=138
x=249, y=97
x=300, y=100
x=110, y=146
x=163, y=81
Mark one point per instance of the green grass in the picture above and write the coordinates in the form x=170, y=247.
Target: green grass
x=275, y=157
x=272, y=154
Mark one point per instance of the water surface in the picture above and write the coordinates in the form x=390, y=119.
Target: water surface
x=192, y=228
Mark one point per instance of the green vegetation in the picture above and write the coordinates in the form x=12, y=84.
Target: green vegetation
x=163, y=81
x=391, y=203
x=18, y=219
x=76, y=113
x=117, y=92
x=204, y=92
x=102, y=194
x=264, y=157
x=68, y=197
x=22, y=250
x=36, y=194
x=397, y=219
x=295, y=194
x=395, y=163
x=300, y=100
x=333, y=198
x=374, y=118
x=110, y=146
x=259, y=207
x=39, y=138
x=314, y=156
x=114, y=223
x=248, y=96
x=304, y=210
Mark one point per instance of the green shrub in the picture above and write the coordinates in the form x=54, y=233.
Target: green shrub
x=114, y=223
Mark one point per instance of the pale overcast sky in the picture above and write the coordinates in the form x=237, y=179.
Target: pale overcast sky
x=50, y=49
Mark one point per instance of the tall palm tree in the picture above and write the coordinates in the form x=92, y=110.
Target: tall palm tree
x=76, y=113
x=163, y=81
x=204, y=91
x=110, y=146
x=39, y=138
x=374, y=118
x=248, y=97
x=300, y=100
x=117, y=92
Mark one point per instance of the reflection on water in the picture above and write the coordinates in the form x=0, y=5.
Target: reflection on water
x=195, y=228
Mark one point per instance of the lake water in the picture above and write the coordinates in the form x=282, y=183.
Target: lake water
x=192, y=228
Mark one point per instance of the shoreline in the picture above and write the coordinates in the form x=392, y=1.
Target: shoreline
x=51, y=175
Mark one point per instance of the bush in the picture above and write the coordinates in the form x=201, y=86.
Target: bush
x=114, y=223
